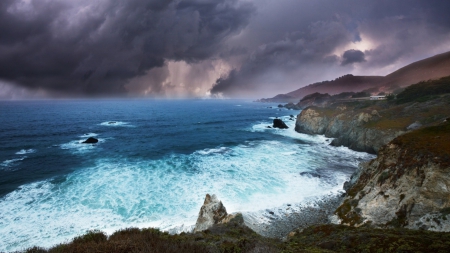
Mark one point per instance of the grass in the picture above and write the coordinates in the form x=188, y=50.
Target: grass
x=339, y=238
x=237, y=238
x=426, y=144
x=230, y=237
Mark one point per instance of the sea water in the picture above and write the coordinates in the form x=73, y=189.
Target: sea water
x=153, y=164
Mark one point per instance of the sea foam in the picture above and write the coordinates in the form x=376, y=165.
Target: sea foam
x=167, y=193
x=25, y=151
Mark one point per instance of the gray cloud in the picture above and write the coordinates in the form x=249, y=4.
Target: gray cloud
x=390, y=34
x=136, y=47
x=352, y=56
x=95, y=47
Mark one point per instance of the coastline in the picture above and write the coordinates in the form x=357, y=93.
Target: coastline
x=280, y=224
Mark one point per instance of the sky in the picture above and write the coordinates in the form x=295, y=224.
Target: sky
x=207, y=48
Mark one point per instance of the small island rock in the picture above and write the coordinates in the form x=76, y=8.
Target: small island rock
x=90, y=140
x=278, y=123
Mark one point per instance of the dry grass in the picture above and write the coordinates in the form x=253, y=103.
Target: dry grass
x=426, y=144
x=231, y=237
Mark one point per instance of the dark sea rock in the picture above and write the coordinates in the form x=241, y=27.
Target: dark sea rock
x=112, y=122
x=90, y=140
x=269, y=127
x=278, y=123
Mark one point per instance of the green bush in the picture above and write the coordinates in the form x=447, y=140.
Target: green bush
x=424, y=91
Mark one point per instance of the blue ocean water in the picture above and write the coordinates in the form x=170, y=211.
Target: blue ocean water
x=153, y=165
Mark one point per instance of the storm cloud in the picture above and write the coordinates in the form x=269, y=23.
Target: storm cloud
x=231, y=48
x=334, y=38
x=352, y=56
x=94, y=47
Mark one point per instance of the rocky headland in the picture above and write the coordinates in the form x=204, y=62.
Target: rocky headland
x=367, y=125
x=407, y=185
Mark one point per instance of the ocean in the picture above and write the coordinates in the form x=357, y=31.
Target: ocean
x=153, y=164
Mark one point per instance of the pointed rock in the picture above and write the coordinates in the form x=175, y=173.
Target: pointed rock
x=212, y=212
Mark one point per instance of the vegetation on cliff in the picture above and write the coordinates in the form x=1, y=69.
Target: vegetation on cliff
x=234, y=238
x=426, y=144
x=424, y=91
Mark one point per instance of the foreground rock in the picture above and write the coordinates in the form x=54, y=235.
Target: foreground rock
x=278, y=123
x=407, y=185
x=211, y=213
x=90, y=140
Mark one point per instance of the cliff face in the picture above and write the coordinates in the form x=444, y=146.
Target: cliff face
x=346, y=126
x=407, y=185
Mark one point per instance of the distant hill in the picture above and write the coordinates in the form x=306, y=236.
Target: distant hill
x=428, y=69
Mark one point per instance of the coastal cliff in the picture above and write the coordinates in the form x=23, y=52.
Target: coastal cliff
x=367, y=125
x=407, y=185
x=347, y=126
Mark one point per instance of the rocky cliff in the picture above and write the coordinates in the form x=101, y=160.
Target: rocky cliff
x=407, y=185
x=366, y=125
x=347, y=126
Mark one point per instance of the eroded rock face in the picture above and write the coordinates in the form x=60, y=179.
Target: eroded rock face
x=346, y=127
x=400, y=188
x=212, y=212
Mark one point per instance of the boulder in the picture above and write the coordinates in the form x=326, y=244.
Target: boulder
x=90, y=140
x=278, y=123
x=212, y=212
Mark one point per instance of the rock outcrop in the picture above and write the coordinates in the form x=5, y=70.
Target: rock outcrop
x=278, y=123
x=90, y=140
x=407, y=185
x=212, y=212
x=348, y=128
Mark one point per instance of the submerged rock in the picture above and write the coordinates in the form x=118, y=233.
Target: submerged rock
x=278, y=123
x=212, y=212
x=90, y=140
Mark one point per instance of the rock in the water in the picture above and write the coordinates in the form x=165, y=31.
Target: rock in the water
x=269, y=127
x=212, y=212
x=90, y=140
x=112, y=122
x=278, y=123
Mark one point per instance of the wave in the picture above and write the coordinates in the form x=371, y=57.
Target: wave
x=87, y=135
x=116, y=124
x=25, y=151
x=208, y=151
x=7, y=164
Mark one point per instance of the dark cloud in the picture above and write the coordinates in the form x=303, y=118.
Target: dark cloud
x=352, y=56
x=381, y=36
x=279, y=64
x=95, y=47
x=258, y=47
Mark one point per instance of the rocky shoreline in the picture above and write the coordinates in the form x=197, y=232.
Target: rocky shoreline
x=283, y=222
